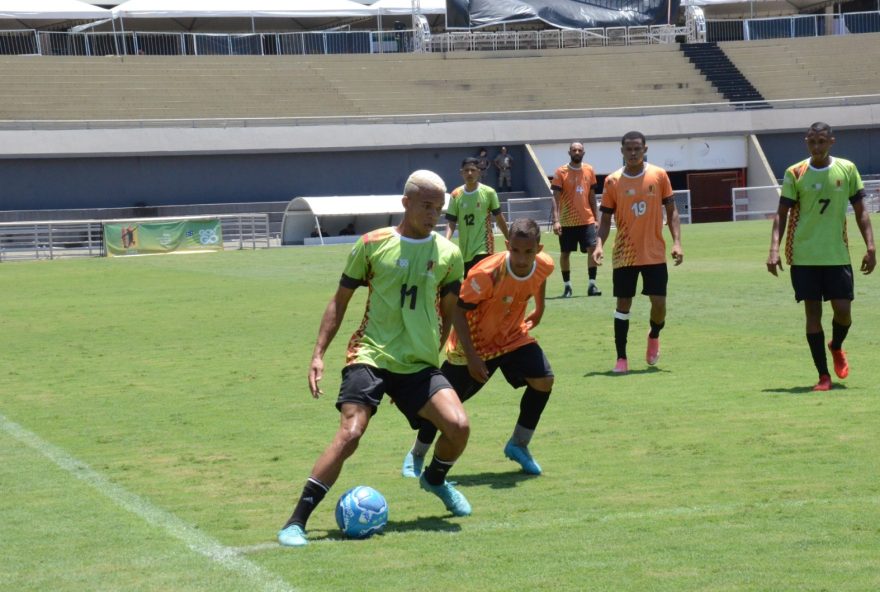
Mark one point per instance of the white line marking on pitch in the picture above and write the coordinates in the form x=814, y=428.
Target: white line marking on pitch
x=227, y=557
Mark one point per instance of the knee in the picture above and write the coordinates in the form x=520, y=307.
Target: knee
x=458, y=429
x=544, y=385
x=348, y=437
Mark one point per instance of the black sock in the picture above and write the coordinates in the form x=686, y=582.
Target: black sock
x=817, y=349
x=566, y=276
x=656, y=328
x=838, y=334
x=591, y=272
x=531, y=406
x=427, y=432
x=621, y=328
x=435, y=474
x=312, y=494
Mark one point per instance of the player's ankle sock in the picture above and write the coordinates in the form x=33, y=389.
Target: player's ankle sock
x=655, y=329
x=424, y=439
x=566, y=277
x=817, y=349
x=621, y=329
x=531, y=406
x=312, y=494
x=435, y=474
x=838, y=334
x=522, y=436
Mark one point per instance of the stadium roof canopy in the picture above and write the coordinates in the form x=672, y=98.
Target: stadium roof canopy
x=241, y=8
x=50, y=10
x=404, y=7
x=756, y=8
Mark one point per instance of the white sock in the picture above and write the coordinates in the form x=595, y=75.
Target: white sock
x=420, y=448
x=522, y=436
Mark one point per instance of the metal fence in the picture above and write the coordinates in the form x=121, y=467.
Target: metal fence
x=53, y=43
x=83, y=43
x=785, y=27
x=85, y=238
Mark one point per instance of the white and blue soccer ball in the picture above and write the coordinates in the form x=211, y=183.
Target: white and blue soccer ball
x=361, y=512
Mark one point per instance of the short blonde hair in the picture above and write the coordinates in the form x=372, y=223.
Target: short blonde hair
x=423, y=180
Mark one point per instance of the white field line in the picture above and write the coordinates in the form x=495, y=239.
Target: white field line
x=227, y=557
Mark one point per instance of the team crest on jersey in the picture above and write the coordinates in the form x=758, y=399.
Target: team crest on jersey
x=403, y=263
x=630, y=192
x=579, y=189
x=651, y=189
x=507, y=299
x=430, y=266
x=817, y=186
x=475, y=286
x=839, y=183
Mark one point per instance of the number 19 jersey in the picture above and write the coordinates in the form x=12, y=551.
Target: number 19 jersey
x=637, y=204
x=400, y=331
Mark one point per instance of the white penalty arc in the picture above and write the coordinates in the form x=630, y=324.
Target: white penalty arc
x=258, y=578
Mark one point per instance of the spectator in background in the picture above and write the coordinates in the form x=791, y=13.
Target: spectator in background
x=483, y=163
x=348, y=230
x=503, y=163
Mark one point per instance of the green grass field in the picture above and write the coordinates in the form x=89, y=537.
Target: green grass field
x=156, y=429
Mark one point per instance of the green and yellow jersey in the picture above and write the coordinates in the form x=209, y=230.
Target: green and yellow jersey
x=473, y=212
x=406, y=278
x=817, y=221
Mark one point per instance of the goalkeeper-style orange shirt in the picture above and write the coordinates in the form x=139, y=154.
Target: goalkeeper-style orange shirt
x=496, y=300
x=637, y=204
x=574, y=200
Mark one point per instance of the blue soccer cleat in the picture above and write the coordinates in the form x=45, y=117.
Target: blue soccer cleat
x=412, y=465
x=521, y=455
x=454, y=501
x=292, y=536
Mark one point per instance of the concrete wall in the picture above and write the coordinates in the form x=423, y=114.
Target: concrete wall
x=60, y=183
x=862, y=146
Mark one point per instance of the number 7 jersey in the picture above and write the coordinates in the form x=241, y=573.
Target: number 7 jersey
x=637, y=204
x=400, y=331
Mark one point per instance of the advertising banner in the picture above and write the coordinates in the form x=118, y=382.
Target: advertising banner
x=145, y=238
x=567, y=14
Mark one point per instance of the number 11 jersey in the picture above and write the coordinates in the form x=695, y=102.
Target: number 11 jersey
x=406, y=277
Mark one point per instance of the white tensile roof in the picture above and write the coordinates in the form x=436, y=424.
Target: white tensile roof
x=240, y=8
x=50, y=10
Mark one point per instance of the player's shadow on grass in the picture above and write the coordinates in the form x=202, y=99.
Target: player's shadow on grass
x=800, y=390
x=505, y=480
x=429, y=523
x=648, y=370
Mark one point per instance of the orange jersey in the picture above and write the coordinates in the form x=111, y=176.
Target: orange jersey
x=574, y=186
x=637, y=204
x=498, y=299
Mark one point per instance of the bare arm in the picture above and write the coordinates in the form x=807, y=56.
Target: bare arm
x=534, y=318
x=554, y=213
x=476, y=365
x=774, y=262
x=863, y=219
x=502, y=225
x=674, y=223
x=330, y=322
x=450, y=228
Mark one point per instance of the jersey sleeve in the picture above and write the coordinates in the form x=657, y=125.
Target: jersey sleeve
x=452, y=210
x=494, y=202
x=609, y=197
x=356, y=265
x=665, y=185
x=454, y=270
x=789, y=189
x=856, y=187
x=558, y=180
x=475, y=289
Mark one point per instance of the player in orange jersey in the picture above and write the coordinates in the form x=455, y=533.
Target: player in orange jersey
x=493, y=301
x=636, y=196
x=575, y=214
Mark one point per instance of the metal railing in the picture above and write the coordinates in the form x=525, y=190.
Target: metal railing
x=85, y=43
x=786, y=27
x=55, y=239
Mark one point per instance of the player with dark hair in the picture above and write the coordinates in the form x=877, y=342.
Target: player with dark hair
x=575, y=214
x=815, y=194
x=636, y=196
x=410, y=272
x=472, y=208
x=492, y=309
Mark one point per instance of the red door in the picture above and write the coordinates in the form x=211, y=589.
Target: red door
x=710, y=195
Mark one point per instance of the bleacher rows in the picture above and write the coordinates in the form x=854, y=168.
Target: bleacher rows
x=185, y=87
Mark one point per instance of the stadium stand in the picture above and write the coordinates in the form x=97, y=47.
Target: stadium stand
x=838, y=65
x=147, y=87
